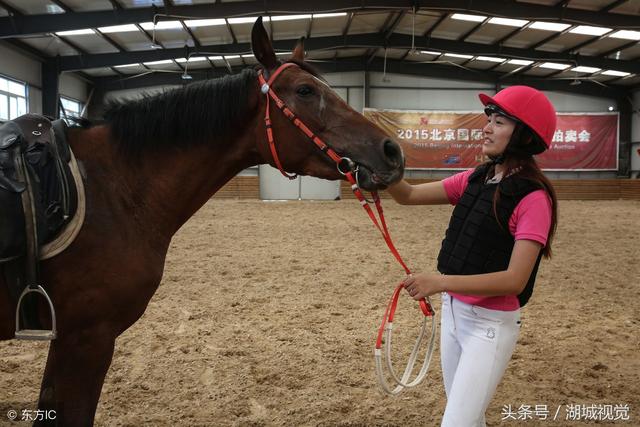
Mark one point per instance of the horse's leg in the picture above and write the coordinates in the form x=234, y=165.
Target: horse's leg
x=73, y=378
x=7, y=313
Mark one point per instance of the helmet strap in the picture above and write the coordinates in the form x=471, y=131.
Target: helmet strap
x=497, y=160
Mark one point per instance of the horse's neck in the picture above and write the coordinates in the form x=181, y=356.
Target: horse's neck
x=164, y=188
x=182, y=183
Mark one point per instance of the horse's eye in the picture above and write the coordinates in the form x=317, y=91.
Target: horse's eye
x=304, y=90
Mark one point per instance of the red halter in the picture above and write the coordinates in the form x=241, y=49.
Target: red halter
x=341, y=162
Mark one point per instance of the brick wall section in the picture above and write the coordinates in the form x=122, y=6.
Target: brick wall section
x=247, y=187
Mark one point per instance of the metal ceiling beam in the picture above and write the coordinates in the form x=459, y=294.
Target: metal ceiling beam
x=345, y=30
x=619, y=49
x=613, y=5
x=431, y=29
x=595, y=39
x=393, y=66
x=474, y=29
x=388, y=29
x=370, y=41
x=45, y=23
x=9, y=8
x=27, y=49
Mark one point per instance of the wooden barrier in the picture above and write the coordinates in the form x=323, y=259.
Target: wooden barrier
x=630, y=189
x=248, y=187
x=240, y=187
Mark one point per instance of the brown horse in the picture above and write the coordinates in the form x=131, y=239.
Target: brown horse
x=147, y=169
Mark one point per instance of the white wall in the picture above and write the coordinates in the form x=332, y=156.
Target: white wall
x=19, y=66
x=73, y=87
x=22, y=67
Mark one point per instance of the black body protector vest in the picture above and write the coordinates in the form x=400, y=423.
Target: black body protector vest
x=477, y=243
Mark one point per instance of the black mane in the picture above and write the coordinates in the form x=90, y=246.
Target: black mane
x=193, y=114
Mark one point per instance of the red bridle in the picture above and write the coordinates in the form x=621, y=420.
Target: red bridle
x=352, y=169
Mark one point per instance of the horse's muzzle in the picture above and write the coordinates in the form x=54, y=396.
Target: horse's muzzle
x=389, y=171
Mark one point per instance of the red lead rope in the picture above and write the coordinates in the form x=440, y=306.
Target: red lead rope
x=426, y=308
x=265, y=87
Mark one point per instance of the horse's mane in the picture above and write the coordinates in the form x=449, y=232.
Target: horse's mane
x=193, y=114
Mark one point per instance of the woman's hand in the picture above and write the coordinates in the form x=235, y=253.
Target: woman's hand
x=422, y=285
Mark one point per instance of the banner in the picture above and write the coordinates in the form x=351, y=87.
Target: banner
x=453, y=140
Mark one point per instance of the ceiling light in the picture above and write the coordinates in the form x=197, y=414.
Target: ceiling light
x=192, y=59
x=247, y=20
x=626, y=34
x=490, y=59
x=164, y=61
x=508, y=22
x=289, y=17
x=615, y=73
x=186, y=76
x=472, y=18
x=582, y=69
x=118, y=29
x=127, y=65
x=610, y=108
x=430, y=52
x=162, y=25
x=554, y=65
x=549, y=26
x=195, y=23
x=75, y=32
x=458, y=55
x=54, y=8
x=589, y=30
x=328, y=15
x=519, y=62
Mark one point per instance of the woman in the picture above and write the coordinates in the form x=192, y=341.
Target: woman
x=503, y=223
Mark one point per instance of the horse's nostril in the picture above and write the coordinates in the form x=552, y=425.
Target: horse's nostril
x=392, y=151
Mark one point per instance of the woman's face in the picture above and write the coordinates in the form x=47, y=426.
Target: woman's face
x=497, y=133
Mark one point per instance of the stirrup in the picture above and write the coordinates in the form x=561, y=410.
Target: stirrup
x=36, y=334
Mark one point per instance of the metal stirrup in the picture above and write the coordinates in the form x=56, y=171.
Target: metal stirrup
x=36, y=334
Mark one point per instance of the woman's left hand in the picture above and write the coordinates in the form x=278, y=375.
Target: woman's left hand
x=422, y=285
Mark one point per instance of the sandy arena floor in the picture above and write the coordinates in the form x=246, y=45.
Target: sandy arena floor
x=268, y=313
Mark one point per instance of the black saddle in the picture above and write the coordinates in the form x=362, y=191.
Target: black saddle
x=38, y=197
x=34, y=156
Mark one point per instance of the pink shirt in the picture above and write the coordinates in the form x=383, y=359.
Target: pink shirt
x=531, y=220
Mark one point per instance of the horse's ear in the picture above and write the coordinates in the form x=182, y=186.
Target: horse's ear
x=298, y=51
x=261, y=46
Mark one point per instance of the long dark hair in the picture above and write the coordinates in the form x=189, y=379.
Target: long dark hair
x=518, y=162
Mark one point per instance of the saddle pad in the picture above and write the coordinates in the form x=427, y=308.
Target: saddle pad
x=72, y=228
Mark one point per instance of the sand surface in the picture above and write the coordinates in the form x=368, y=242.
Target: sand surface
x=268, y=314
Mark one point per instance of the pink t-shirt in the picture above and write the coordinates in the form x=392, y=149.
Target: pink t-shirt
x=531, y=220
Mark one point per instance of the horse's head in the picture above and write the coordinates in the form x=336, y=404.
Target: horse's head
x=379, y=159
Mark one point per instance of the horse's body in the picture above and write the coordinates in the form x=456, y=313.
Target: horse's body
x=142, y=188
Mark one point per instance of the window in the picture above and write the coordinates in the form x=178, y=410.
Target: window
x=71, y=107
x=13, y=99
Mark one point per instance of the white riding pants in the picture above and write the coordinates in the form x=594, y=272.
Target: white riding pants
x=476, y=344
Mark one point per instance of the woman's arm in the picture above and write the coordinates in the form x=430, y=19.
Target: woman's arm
x=511, y=281
x=431, y=193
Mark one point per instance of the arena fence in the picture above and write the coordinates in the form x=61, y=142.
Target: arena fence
x=247, y=187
